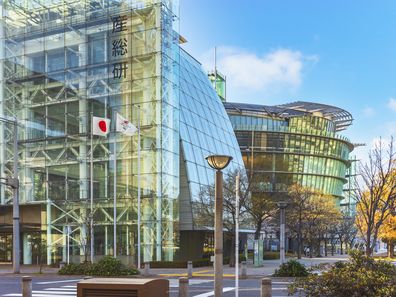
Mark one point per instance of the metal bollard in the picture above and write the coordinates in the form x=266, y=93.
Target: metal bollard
x=146, y=268
x=183, y=287
x=244, y=270
x=189, y=269
x=26, y=286
x=266, y=287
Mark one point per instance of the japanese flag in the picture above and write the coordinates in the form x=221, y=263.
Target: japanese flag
x=124, y=126
x=100, y=126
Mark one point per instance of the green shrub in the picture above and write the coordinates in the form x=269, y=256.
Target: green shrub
x=270, y=255
x=107, y=266
x=360, y=277
x=291, y=268
x=76, y=269
x=202, y=263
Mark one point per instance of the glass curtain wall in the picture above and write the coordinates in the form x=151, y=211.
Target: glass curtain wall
x=63, y=62
x=301, y=149
x=204, y=130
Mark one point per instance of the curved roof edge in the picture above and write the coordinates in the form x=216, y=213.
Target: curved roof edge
x=341, y=118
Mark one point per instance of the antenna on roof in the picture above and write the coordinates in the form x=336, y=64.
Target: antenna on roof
x=215, y=67
x=217, y=79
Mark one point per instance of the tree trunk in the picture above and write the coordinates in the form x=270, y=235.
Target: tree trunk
x=325, y=246
x=232, y=250
x=258, y=229
x=299, y=237
x=388, y=249
x=368, y=250
x=342, y=250
x=299, y=243
x=40, y=260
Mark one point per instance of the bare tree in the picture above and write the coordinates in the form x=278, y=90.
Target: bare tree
x=85, y=221
x=321, y=213
x=345, y=230
x=376, y=192
x=261, y=208
x=205, y=206
x=309, y=216
x=299, y=203
x=39, y=247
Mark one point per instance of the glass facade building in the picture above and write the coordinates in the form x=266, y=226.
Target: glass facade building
x=293, y=143
x=64, y=61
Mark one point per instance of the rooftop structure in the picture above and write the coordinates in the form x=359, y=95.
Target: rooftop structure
x=293, y=143
x=340, y=117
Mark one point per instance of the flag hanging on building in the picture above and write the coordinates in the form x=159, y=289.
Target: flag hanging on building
x=124, y=126
x=100, y=126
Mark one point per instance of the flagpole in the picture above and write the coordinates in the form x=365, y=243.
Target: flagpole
x=237, y=180
x=91, y=174
x=138, y=198
x=115, y=196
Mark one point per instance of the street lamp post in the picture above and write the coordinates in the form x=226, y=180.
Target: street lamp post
x=13, y=182
x=282, y=206
x=218, y=162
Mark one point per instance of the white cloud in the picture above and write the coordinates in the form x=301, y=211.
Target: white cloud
x=392, y=103
x=247, y=71
x=368, y=111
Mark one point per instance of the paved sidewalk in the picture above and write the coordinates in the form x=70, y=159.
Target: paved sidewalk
x=27, y=269
x=253, y=272
x=205, y=272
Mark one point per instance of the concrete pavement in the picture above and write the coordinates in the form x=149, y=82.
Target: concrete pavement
x=268, y=268
x=253, y=272
x=27, y=269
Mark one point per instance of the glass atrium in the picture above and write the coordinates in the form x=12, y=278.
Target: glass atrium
x=64, y=61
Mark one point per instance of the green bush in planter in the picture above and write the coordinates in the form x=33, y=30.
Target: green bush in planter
x=360, y=277
x=107, y=266
x=291, y=268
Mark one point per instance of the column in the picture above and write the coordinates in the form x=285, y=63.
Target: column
x=27, y=249
x=84, y=123
x=2, y=134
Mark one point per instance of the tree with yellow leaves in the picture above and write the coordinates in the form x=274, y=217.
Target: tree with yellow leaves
x=376, y=192
x=387, y=233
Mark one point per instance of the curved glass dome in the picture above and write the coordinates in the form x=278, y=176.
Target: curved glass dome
x=293, y=143
x=205, y=129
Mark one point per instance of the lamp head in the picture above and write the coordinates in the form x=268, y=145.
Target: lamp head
x=282, y=204
x=218, y=162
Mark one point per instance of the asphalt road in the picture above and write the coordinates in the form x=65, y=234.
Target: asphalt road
x=57, y=286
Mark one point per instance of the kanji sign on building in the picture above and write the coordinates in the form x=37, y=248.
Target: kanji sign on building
x=119, y=46
x=120, y=23
x=119, y=70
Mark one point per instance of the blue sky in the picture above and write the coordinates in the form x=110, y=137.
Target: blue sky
x=341, y=53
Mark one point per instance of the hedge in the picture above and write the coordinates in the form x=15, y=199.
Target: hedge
x=107, y=266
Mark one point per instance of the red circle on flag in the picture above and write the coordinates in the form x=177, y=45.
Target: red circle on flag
x=102, y=126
